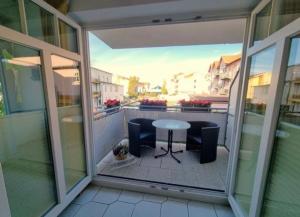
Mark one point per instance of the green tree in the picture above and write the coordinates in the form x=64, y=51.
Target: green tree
x=133, y=86
x=164, y=89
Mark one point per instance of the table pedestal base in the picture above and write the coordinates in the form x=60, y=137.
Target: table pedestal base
x=169, y=150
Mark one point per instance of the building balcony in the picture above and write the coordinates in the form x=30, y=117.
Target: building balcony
x=225, y=76
x=112, y=129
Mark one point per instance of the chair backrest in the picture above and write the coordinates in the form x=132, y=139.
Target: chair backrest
x=145, y=124
x=133, y=132
x=196, y=126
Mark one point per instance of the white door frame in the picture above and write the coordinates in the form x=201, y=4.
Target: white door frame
x=281, y=39
x=46, y=50
x=4, y=205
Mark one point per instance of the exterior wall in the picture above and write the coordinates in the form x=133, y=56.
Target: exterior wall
x=123, y=81
x=181, y=83
x=108, y=131
x=111, y=91
x=221, y=73
x=103, y=88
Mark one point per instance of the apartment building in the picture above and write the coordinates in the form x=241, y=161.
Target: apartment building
x=142, y=87
x=103, y=88
x=222, y=72
x=183, y=83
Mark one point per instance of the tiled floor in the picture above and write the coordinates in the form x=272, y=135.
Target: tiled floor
x=165, y=169
x=106, y=202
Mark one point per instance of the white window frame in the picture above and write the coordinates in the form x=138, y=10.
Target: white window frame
x=281, y=39
x=46, y=50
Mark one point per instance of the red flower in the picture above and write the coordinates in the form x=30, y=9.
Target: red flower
x=153, y=102
x=112, y=103
x=195, y=103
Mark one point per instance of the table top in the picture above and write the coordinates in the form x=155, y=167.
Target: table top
x=171, y=124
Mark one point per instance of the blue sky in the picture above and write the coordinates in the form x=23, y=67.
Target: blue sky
x=157, y=64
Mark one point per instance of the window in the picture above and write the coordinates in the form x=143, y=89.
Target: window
x=25, y=147
x=68, y=37
x=274, y=16
x=262, y=23
x=68, y=99
x=284, y=12
x=254, y=115
x=40, y=23
x=282, y=196
x=9, y=14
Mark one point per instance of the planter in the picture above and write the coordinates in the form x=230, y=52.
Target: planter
x=195, y=109
x=120, y=151
x=112, y=110
x=152, y=108
x=195, y=106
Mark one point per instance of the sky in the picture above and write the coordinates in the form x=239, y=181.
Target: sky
x=157, y=64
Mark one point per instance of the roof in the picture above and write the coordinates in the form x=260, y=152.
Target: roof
x=100, y=70
x=230, y=58
x=215, y=65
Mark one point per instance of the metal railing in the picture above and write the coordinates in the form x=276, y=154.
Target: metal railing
x=177, y=108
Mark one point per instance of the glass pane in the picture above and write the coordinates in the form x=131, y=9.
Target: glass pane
x=68, y=98
x=68, y=37
x=25, y=149
x=262, y=23
x=9, y=14
x=40, y=23
x=284, y=12
x=282, y=197
x=256, y=101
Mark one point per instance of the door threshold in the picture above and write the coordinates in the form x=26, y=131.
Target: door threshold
x=180, y=192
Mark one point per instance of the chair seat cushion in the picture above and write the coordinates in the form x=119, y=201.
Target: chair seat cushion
x=197, y=139
x=145, y=135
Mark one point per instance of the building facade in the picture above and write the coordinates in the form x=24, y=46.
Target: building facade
x=103, y=88
x=221, y=73
x=183, y=83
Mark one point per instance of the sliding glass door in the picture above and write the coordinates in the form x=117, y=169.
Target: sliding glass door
x=25, y=146
x=67, y=82
x=282, y=195
x=259, y=81
x=265, y=176
x=44, y=139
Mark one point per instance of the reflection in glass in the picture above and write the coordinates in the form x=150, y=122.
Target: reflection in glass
x=256, y=101
x=284, y=12
x=282, y=196
x=274, y=16
x=40, y=23
x=25, y=149
x=262, y=23
x=68, y=98
x=9, y=14
x=68, y=37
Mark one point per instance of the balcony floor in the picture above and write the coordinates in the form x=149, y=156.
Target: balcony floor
x=166, y=170
x=107, y=202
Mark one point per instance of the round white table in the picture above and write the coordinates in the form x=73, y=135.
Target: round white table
x=170, y=125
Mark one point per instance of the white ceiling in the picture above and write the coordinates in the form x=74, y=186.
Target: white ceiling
x=97, y=14
x=209, y=32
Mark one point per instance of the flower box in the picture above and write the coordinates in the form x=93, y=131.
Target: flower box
x=153, y=105
x=195, y=105
x=112, y=105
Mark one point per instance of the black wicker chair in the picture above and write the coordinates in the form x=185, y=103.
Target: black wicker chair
x=141, y=132
x=203, y=136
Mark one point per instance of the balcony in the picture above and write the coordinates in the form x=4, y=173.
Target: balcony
x=110, y=129
x=225, y=76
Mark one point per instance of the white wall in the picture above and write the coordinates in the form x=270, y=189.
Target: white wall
x=107, y=132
